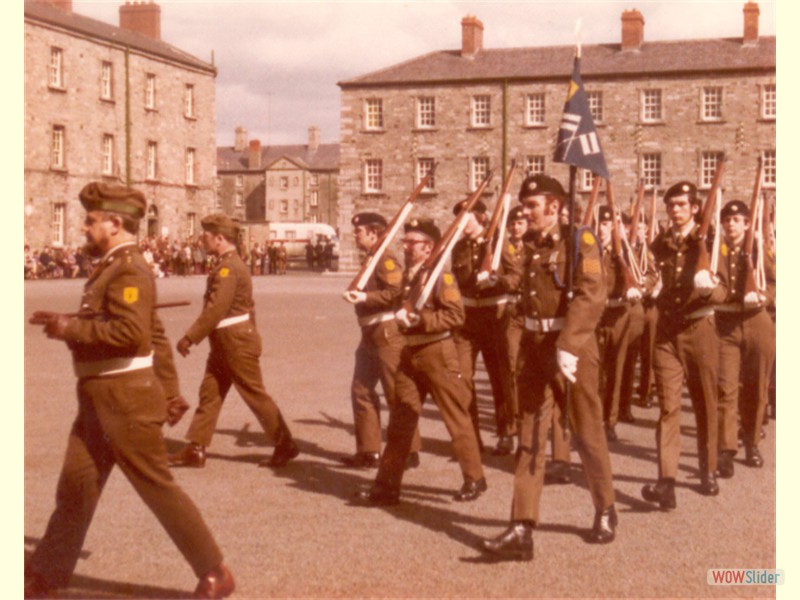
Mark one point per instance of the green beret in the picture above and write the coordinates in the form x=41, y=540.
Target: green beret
x=368, y=218
x=535, y=185
x=113, y=198
x=735, y=207
x=682, y=188
x=222, y=224
x=515, y=214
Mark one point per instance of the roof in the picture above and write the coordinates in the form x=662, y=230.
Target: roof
x=598, y=60
x=46, y=13
x=325, y=158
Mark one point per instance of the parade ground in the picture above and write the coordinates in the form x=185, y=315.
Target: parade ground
x=295, y=533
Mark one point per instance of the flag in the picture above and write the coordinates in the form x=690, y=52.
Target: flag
x=578, y=143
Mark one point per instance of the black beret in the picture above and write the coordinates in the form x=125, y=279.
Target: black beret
x=541, y=184
x=368, y=218
x=682, y=188
x=113, y=198
x=735, y=207
x=424, y=226
x=222, y=224
x=515, y=214
x=478, y=207
x=604, y=214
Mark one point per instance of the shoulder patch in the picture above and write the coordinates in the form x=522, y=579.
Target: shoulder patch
x=224, y=272
x=511, y=250
x=130, y=294
x=724, y=249
x=591, y=266
x=394, y=278
x=451, y=294
x=389, y=264
x=447, y=278
x=587, y=238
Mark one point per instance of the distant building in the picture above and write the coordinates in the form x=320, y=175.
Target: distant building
x=288, y=183
x=665, y=111
x=115, y=104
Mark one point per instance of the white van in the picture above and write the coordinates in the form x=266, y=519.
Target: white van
x=296, y=235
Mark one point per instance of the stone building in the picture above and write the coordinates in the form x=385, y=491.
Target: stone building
x=264, y=184
x=115, y=104
x=665, y=111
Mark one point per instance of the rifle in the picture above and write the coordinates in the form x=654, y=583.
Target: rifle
x=587, y=216
x=651, y=230
x=433, y=265
x=616, y=239
x=703, y=259
x=492, y=255
x=750, y=284
x=637, y=207
x=376, y=252
x=42, y=317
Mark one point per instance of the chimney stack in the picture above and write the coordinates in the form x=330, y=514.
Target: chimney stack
x=254, y=160
x=141, y=16
x=241, y=139
x=632, y=29
x=65, y=5
x=471, y=36
x=751, y=13
x=313, y=138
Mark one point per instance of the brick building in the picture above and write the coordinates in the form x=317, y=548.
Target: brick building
x=665, y=111
x=115, y=104
x=264, y=184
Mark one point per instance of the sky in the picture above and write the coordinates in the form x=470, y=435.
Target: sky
x=279, y=62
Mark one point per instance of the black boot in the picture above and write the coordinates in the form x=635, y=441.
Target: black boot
x=663, y=492
x=515, y=543
x=605, y=525
x=505, y=445
x=725, y=464
x=753, y=457
x=471, y=490
x=559, y=473
x=708, y=484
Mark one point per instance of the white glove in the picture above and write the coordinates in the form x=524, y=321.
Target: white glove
x=704, y=282
x=657, y=289
x=633, y=293
x=567, y=364
x=407, y=319
x=486, y=280
x=354, y=296
x=753, y=300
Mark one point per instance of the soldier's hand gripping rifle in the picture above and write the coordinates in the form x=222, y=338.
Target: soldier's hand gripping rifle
x=587, y=216
x=376, y=252
x=491, y=258
x=703, y=258
x=43, y=317
x=751, y=291
x=630, y=290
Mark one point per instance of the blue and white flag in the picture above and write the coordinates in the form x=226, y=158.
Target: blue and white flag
x=578, y=143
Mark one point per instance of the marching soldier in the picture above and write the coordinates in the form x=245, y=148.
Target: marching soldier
x=378, y=353
x=228, y=320
x=121, y=405
x=686, y=346
x=558, y=344
x=747, y=342
x=428, y=364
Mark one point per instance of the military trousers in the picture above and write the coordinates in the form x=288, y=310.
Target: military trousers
x=541, y=385
x=119, y=423
x=636, y=329
x=234, y=361
x=613, y=341
x=647, y=348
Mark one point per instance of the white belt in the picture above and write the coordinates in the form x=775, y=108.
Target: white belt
x=426, y=338
x=227, y=322
x=701, y=312
x=377, y=318
x=544, y=325
x=112, y=366
x=615, y=302
x=493, y=301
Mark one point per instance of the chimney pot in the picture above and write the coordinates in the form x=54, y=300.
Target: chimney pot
x=313, y=138
x=241, y=139
x=254, y=160
x=65, y=5
x=751, y=13
x=141, y=16
x=471, y=36
x=632, y=29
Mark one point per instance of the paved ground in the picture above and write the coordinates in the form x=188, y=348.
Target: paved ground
x=293, y=533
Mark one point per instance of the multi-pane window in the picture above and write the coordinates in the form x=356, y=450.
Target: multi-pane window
x=284, y=182
x=57, y=148
x=106, y=81
x=534, y=164
x=190, y=164
x=651, y=106
x=150, y=92
x=239, y=199
x=188, y=100
x=108, y=154
x=217, y=200
x=770, y=168
x=481, y=111
x=423, y=166
x=285, y=206
x=426, y=112
x=314, y=198
x=712, y=104
x=651, y=170
x=58, y=222
x=769, y=101
x=373, y=111
x=479, y=168
x=534, y=109
x=191, y=224
x=313, y=180
x=373, y=175
x=708, y=167
x=152, y=160
x=55, y=71
x=596, y=105
x=587, y=179
x=239, y=181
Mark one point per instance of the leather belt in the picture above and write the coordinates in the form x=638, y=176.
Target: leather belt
x=706, y=311
x=493, y=301
x=376, y=318
x=426, y=338
x=228, y=321
x=112, y=366
x=544, y=325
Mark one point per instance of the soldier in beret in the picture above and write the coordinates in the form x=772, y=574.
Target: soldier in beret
x=428, y=365
x=686, y=346
x=378, y=353
x=558, y=345
x=121, y=404
x=228, y=320
x=746, y=340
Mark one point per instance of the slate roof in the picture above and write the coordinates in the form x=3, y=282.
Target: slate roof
x=46, y=13
x=326, y=157
x=681, y=57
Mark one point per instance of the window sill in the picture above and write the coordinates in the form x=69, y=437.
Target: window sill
x=57, y=88
x=480, y=128
x=192, y=186
x=151, y=180
x=59, y=169
x=651, y=123
x=190, y=117
x=425, y=130
x=535, y=126
x=150, y=109
x=767, y=119
x=373, y=193
x=110, y=101
x=711, y=122
x=372, y=131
